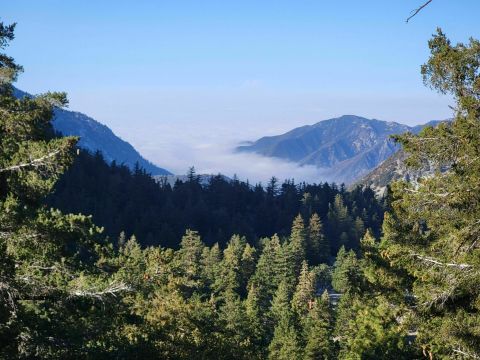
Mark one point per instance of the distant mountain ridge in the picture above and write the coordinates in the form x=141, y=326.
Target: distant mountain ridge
x=95, y=136
x=345, y=148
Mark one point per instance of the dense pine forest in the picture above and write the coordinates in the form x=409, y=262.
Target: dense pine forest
x=158, y=214
x=283, y=272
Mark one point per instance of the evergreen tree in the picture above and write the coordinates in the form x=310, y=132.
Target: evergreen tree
x=189, y=263
x=318, y=246
x=286, y=342
x=304, y=295
x=210, y=261
x=347, y=274
x=297, y=245
x=432, y=230
x=121, y=240
x=230, y=278
x=266, y=277
x=286, y=265
x=235, y=325
x=217, y=210
x=280, y=307
x=340, y=223
x=257, y=321
x=359, y=228
x=248, y=264
x=373, y=332
x=131, y=262
x=367, y=325
x=55, y=287
x=318, y=330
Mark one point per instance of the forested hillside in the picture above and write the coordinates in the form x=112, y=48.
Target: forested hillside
x=94, y=136
x=158, y=214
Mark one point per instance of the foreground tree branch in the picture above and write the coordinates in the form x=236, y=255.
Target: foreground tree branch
x=417, y=10
x=439, y=263
x=41, y=161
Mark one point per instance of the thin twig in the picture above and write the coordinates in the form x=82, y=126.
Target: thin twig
x=417, y=10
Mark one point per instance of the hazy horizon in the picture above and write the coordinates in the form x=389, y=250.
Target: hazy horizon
x=184, y=83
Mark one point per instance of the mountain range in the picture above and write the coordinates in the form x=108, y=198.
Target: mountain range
x=349, y=149
x=95, y=136
x=345, y=149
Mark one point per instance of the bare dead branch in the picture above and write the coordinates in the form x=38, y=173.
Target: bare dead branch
x=442, y=195
x=439, y=263
x=41, y=161
x=417, y=10
x=112, y=289
x=469, y=355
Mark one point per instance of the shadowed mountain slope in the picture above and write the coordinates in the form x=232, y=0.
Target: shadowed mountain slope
x=345, y=148
x=95, y=136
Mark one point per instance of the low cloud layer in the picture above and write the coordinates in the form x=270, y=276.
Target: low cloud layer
x=211, y=151
x=220, y=157
x=179, y=128
x=214, y=159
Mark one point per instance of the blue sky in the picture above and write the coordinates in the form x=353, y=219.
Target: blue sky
x=196, y=75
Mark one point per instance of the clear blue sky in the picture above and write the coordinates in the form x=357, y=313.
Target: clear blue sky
x=170, y=73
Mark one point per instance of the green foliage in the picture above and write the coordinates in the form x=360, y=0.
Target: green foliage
x=347, y=275
x=236, y=325
x=304, y=295
x=285, y=344
x=9, y=70
x=298, y=239
x=267, y=274
x=66, y=291
x=373, y=332
x=210, y=264
x=257, y=322
x=280, y=307
x=318, y=246
x=318, y=330
x=158, y=213
x=56, y=282
x=431, y=234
